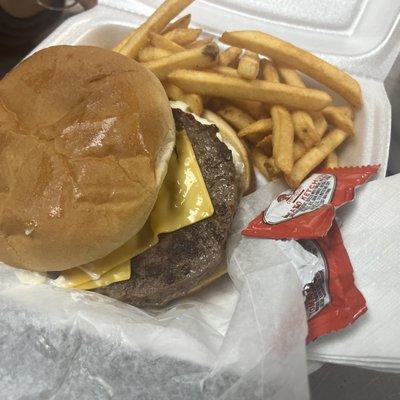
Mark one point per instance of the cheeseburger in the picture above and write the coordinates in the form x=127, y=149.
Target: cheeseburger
x=105, y=185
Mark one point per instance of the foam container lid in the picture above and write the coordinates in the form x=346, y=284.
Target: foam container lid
x=230, y=341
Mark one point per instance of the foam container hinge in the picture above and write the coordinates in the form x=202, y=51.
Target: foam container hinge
x=217, y=343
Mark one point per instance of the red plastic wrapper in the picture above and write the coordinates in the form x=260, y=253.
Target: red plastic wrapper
x=332, y=300
x=308, y=212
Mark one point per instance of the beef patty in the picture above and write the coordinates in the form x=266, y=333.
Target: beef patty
x=183, y=259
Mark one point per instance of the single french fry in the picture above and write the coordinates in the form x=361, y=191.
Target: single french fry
x=213, y=84
x=228, y=71
x=347, y=111
x=150, y=53
x=257, y=130
x=235, y=117
x=254, y=108
x=304, y=128
x=290, y=76
x=260, y=160
x=204, y=57
x=315, y=156
x=162, y=42
x=265, y=144
x=249, y=66
x=294, y=57
x=174, y=92
x=183, y=36
x=269, y=72
x=272, y=170
x=199, y=43
x=139, y=38
x=195, y=103
x=282, y=138
x=332, y=161
x=319, y=122
x=229, y=56
x=180, y=23
x=298, y=150
x=339, y=119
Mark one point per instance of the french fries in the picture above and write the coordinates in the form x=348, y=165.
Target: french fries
x=339, y=119
x=199, y=43
x=152, y=53
x=249, y=66
x=257, y=130
x=254, y=108
x=292, y=56
x=304, y=128
x=183, y=36
x=319, y=122
x=315, y=156
x=213, y=84
x=162, y=42
x=270, y=74
x=265, y=145
x=298, y=150
x=347, y=111
x=332, y=161
x=195, y=103
x=180, y=23
x=260, y=160
x=291, y=76
x=174, y=92
x=272, y=170
x=229, y=56
x=282, y=138
x=228, y=71
x=203, y=57
x=235, y=117
x=138, y=39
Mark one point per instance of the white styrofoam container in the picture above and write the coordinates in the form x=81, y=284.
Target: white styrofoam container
x=344, y=32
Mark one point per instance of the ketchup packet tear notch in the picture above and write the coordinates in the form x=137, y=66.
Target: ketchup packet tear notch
x=309, y=211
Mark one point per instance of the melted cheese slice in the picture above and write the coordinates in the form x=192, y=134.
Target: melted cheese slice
x=183, y=200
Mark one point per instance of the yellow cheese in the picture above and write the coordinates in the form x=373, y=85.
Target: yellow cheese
x=183, y=200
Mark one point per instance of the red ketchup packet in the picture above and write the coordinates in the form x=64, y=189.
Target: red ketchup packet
x=332, y=300
x=308, y=212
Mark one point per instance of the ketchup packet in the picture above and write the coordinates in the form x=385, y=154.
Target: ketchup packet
x=332, y=300
x=308, y=212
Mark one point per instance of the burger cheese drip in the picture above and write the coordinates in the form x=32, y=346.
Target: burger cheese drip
x=183, y=200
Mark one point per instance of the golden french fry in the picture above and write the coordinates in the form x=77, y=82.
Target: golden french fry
x=347, y=111
x=213, y=84
x=162, y=42
x=148, y=54
x=235, y=116
x=290, y=76
x=249, y=66
x=254, y=108
x=183, y=36
x=229, y=56
x=199, y=43
x=298, y=150
x=228, y=71
x=272, y=170
x=265, y=145
x=174, y=92
x=260, y=160
x=313, y=157
x=332, y=161
x=304, y=128
x=269, y=72
x=195, y=103
x=282, y=138
x=292, y=56
x=339, y=119
x=138, y=39
x=257, y=130
x=204, y=57
x=319, y=122
x=180, y=23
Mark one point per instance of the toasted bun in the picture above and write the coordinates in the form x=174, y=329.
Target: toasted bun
x=229, y=135
x=85, y=139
